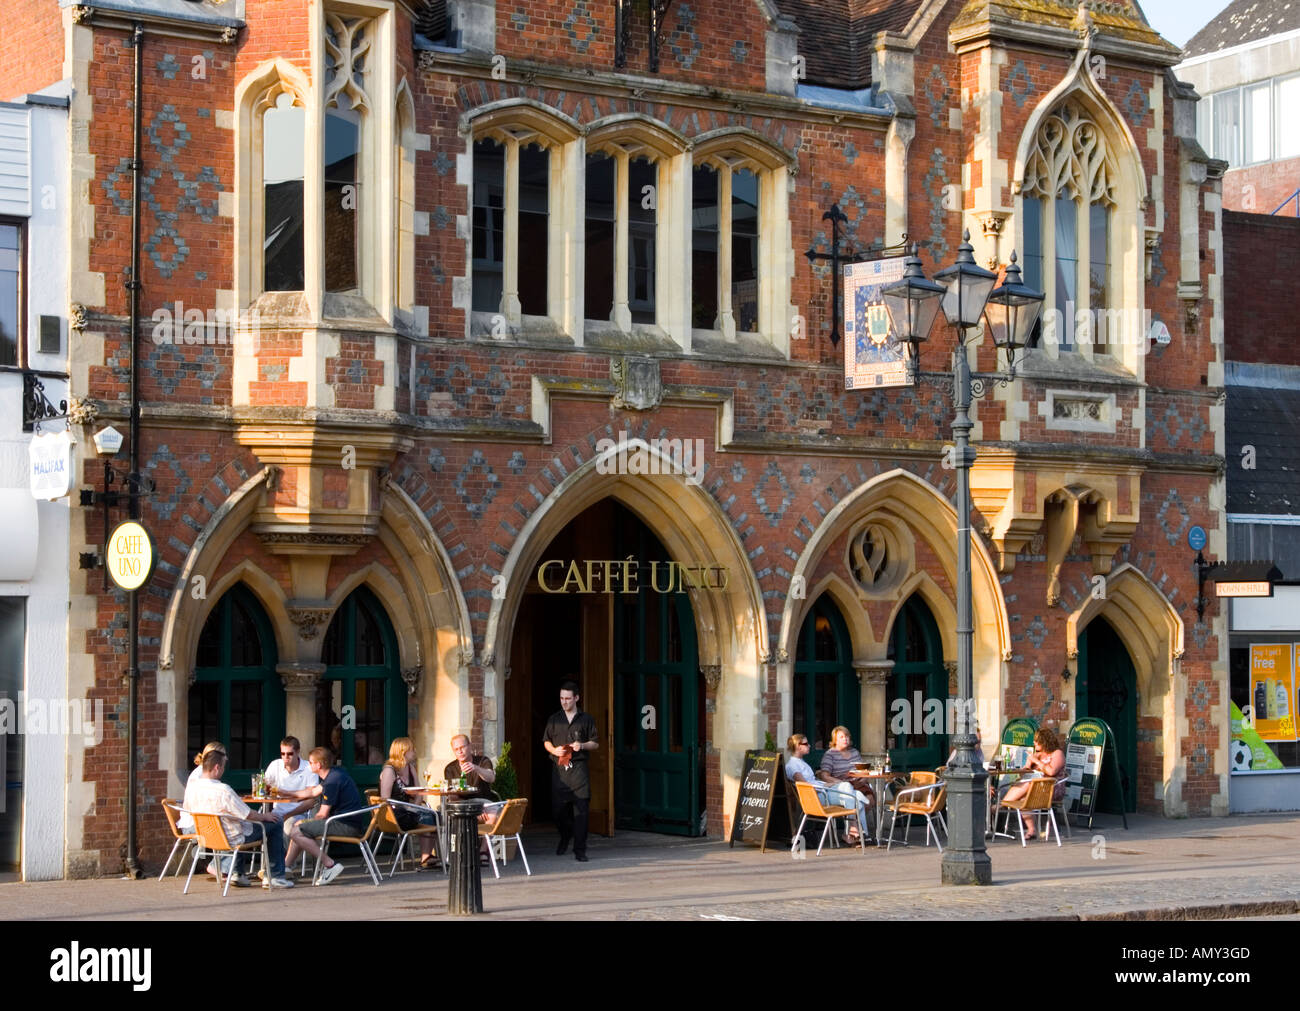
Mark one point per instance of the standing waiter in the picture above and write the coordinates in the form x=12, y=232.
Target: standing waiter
x=569, y=739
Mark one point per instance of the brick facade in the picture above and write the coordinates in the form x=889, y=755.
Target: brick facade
x=478, y=467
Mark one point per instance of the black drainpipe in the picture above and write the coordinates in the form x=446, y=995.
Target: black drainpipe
x=133, y=605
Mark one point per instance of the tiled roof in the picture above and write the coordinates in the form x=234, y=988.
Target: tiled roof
x=1244, y=21
x=1266, y=419
x=837, y=37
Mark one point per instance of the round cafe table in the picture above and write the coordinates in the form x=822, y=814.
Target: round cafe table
x=267, y=803
x=440, y=791
x=856, y=775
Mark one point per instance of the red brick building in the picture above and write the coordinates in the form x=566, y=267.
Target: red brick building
x=445, y=309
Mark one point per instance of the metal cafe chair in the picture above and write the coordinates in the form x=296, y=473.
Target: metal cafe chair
x=926, y=797
x=345, y=834
x=508, y=825
x=213, y=842
x=814, y=808
x=1037, y=802
x=172, y=808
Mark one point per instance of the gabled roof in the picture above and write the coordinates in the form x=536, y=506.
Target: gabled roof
x=1244, y=21
x=1120, y=19
x=837, y=37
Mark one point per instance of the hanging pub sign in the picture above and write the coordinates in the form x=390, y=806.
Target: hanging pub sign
x=613, y=575
x=50, y=465
x=130, y=555
x=872, y=356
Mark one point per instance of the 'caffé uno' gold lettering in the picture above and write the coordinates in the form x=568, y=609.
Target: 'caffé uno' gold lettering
x=613, y=575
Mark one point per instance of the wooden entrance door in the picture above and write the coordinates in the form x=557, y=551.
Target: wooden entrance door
x=1107, y=690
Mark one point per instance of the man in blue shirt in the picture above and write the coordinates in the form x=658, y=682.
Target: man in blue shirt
x=339, y=795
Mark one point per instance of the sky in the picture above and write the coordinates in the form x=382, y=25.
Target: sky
x=1179, y=20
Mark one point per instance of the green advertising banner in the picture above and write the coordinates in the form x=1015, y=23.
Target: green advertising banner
x=1085, y=758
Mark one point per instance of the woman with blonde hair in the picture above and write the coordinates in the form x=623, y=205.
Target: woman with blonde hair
x=395, y=778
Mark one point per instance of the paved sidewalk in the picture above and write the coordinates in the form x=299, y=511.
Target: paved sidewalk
x=1197, y=868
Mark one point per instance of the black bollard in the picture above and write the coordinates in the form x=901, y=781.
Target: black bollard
x=465, y=889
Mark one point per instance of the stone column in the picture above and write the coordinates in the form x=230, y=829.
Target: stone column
x=299, y=680
x=873, y=677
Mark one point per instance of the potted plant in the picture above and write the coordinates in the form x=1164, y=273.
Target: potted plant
x=506, y=787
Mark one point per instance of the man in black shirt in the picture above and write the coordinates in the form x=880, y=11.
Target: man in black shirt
x=569, y=739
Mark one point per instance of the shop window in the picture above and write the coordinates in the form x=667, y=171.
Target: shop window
x=1261, y=684
x=12, y=277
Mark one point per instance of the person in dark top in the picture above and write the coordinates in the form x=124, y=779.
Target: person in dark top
x=570, y=738
x=477, y=769
x=338, y=794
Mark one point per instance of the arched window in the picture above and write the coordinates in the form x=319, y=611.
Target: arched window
x=237, y=697
x=825, y=687
x=918, y=690
x=360, y=699
x=347, y=128
x=1068, y=198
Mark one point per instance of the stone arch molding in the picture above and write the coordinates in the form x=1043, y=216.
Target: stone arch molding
x=1152, y=631
x=423, y=600
x=920, y=508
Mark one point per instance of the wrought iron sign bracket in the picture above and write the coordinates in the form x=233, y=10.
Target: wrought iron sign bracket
x=36, y=406
x=623, y=31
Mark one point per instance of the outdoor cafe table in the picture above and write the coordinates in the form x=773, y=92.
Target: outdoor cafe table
x=440, y=791
x=267, y=802
x=862, y=775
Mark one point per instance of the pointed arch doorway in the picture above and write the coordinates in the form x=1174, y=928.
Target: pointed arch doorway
x=636, y=661
x=1107, y=690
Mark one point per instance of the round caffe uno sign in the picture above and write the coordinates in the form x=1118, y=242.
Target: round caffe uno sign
x=130, y=555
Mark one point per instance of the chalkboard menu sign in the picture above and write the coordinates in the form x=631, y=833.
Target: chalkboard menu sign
x=754, y=804
x=1085, y=760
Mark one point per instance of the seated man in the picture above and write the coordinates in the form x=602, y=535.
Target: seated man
x=208, y=795
x=478, y=772
x=338, y=794
x=840, y=794
x=289, y=774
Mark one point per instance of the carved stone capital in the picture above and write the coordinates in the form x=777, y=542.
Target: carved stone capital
x=77, y=311
x=873, y=672
x=300, y=677
x=310, y=620
x=411, y=676
x=950, y=667
x=81, y=13
x=166, y=662
x=229, y=34
x=712, y=675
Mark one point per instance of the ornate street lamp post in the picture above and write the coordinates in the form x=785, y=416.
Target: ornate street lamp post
x=965, y=293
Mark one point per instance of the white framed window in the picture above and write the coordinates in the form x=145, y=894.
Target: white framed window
x=1286, y=102
x=1069, y=195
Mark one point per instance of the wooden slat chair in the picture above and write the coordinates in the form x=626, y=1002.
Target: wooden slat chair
x=172, y=808
x=925, y=795
x=346, y=834
x=509, y=824
x=214, y=842
x=1038, y=801
x=813, y=807
x=387, y=826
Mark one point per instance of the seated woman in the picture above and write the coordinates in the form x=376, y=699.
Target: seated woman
x=842, y=794
x=838, y=767
x=396, y=777
x=1048, y=759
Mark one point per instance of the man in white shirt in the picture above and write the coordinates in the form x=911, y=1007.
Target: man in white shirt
x=208, y=795
x=286, y=774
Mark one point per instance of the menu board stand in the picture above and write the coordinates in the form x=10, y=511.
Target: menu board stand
x=753, y=814
x=1089, y=752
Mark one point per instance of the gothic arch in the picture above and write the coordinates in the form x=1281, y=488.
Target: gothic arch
x=521, y=120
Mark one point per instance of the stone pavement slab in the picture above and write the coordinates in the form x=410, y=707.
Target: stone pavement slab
x=1158, y=868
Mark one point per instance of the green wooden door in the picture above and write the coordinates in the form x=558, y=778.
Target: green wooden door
x=920, y=682
x=237, y=698
x=1107, y=690
x=360, y=699
x=826, y=692
x=657, y=764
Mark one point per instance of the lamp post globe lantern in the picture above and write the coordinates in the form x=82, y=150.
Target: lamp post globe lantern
x=913, y=305
x=1012, y=310
x=967, y=286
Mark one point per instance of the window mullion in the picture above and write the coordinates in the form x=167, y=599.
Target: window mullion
x=621, y=314
x=1049, y=272
x=510, y=306
x=726, y=318
x=1083, y=272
